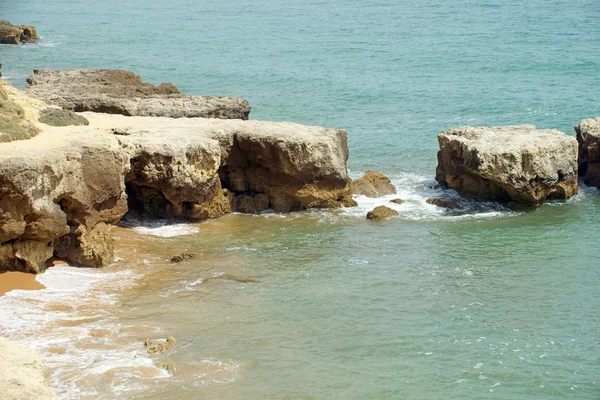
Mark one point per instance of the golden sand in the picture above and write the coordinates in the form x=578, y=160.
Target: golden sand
x=18, y=280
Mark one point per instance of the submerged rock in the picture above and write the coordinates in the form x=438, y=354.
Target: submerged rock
x=514, y=165
x=12, y=34
x=123, y=92
x=373, y=184
x=452, y=204
x=159, y=347
x=588, y=137
x=185, y=256
x=397, y=201
x=22, y=373
x=61, y=117
x=381, y=213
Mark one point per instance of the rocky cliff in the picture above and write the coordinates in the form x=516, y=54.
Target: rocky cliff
x=515, y=165
x=22, y=373
x=123, y=92
x=588, y=136
x=61, y=191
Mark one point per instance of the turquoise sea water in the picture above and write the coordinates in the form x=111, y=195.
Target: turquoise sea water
x=484, y=303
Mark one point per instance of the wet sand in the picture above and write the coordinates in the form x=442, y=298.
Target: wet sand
x=18, y=280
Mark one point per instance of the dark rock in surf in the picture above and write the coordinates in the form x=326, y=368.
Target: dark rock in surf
x=452, y=204
x=381, y=213
x=373, y=184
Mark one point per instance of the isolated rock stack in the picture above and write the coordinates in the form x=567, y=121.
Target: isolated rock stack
x=12, y=34
x=588, y=136
x=514, y=165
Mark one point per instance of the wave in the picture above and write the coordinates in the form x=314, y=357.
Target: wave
x=415, y=189
x=74, y=325
x=164, y=228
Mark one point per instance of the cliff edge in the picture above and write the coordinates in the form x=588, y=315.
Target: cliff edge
x=61, y=190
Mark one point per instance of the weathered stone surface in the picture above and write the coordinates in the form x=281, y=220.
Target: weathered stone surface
x=373, y=184
x=61, y=189
x=452, y=204
x=588, y=137
x=13, y=123
x=381, y=213
x=22, y=373
x=12, y=34
x=123, y=92
x=61, y=117
x=515, y=165
x=397, y=201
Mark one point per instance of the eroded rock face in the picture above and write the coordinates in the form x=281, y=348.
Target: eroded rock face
x=12, y=34
x=381, y=213
x=123, y=92
x=515, y=165
x=588, y=137
x=61, y=191
x=373, y=184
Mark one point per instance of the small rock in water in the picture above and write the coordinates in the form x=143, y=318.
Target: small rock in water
x=159, y=347
x=397, y=201
x=184, y=256
x=168, y=366
x=381, y=213
x=373, y=184
x=452, y=204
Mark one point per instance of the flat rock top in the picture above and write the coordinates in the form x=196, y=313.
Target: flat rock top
x=164, y=129
x=590, y=127
x=503, y=139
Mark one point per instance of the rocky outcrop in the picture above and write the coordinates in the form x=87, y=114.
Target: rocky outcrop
x=515, y=165
x=373, y=184
x=22, y=373
x=123, y=92
x=12, y=34
x=61, y=191
x=381, y=213
x=588, y=137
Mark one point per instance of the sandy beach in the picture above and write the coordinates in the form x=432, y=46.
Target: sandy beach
x=18, y=280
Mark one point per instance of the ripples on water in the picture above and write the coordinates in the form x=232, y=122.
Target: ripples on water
x=480, y=302
x=477, y=303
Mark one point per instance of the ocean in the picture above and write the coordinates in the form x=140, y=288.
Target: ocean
x=478, y=303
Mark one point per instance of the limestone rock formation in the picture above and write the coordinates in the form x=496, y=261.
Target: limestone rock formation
x=12, y=34
x=452, y=204
x=514, y=165
x=123, y=92
x=13, y=123
x=61, y=191
x=22, y=373
x=373, y=184
x=381, y=213
x=588, y=136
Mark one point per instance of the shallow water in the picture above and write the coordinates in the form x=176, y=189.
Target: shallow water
x=479, y=303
